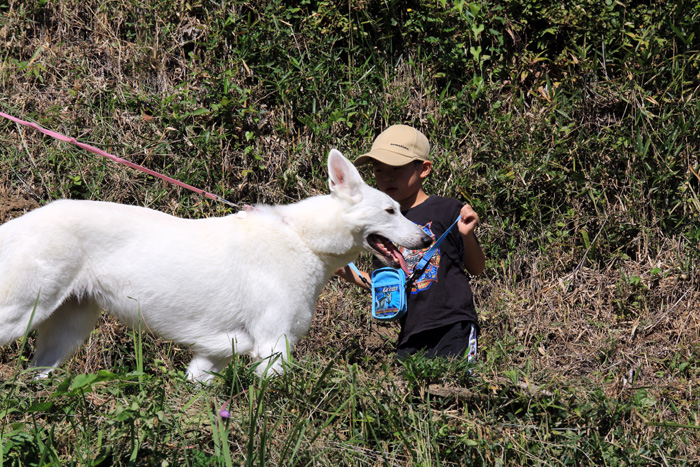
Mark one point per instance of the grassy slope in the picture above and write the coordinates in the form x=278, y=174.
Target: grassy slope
x=571, y=129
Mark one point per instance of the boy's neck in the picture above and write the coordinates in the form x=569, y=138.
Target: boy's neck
x=414, y=200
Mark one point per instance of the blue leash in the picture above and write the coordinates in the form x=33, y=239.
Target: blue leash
x=423, y=263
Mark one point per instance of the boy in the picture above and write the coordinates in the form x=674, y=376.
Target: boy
x=441, y=318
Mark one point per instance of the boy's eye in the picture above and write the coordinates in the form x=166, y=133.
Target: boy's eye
x=391, y=211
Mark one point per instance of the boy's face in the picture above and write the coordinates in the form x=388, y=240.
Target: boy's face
x=403, y=183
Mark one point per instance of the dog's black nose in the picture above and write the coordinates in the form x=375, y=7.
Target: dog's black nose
x=427, y=241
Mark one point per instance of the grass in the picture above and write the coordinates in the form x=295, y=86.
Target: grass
x=570, y=129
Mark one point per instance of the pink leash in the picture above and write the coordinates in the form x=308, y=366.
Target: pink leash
x=100, y=152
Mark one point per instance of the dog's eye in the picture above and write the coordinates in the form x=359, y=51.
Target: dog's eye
x=391, y=211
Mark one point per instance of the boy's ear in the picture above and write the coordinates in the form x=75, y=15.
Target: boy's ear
x=343, y=178
x=425, y=169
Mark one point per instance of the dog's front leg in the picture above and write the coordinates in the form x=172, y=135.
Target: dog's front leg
x=203, y=367
x=272, y=356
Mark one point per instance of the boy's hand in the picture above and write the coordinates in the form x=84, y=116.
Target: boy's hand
x=467, y=223
x=474, y=259
x=347, y=274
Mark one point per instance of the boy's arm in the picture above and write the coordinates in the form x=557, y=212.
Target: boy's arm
x=349, y=275
x=474, y=259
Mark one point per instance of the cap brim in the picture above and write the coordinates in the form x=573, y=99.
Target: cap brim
x=385, y=157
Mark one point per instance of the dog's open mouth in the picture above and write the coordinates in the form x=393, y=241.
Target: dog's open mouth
x=387, y=252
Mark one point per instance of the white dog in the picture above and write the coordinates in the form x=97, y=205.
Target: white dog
x=243, y=283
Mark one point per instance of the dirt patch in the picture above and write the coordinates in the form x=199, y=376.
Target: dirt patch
x=14, y=204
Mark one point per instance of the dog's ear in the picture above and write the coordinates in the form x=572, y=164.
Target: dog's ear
x=343, y=178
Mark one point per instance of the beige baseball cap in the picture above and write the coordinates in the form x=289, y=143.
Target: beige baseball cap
x=397, y=145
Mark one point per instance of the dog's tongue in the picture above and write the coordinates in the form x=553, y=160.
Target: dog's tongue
x=388, y=250
x=402, y=262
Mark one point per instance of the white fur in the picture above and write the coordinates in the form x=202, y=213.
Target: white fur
x=244, y=283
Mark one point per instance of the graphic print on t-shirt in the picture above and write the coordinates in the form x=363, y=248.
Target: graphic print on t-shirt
x=413, y=256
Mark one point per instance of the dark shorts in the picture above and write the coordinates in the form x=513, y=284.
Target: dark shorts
x=452, y=341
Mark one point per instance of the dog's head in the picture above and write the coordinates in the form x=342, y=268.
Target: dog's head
x=374, y=214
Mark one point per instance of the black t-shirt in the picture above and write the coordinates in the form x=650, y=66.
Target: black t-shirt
x=442, y=295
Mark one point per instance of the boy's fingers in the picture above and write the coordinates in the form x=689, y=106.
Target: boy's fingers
x=469, y=220
x=468, y=214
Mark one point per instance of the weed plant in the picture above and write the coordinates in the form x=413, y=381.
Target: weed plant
x=570, y=127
